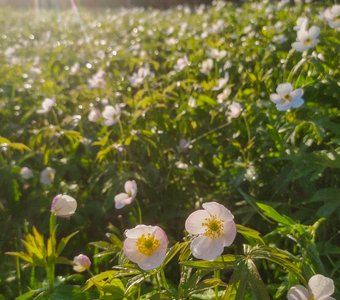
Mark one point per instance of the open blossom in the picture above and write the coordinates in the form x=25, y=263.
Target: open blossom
x=146, y=246
x=46, y=105
x=47, y=176
x=111, y=114
x=63, y=206
x=286, y=97
x=126, y=198
x=94, y=115
x=306, y=38
x=97, y=80
x=138, y=77
x=224, y=95
x=332, y=16
x=26, y=173
x=221, y=82
x=302, y=22
x=206, y=66
x=215, y=229
x=319, y=288
x=181, y=63
x=234, y=110
x=217, y=54
x=81, y=263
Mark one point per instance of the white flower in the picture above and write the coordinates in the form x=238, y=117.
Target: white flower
x=217, y=54
x=302, y=22
x=47, y=176
x=306, y=39
x=286, y=97
x=138, y=77
x=97, y=80
x=221, y=82
x=75, y=68
x=319, y=288
x=81, y=263
x=183, y=145
x=224, y=95
x=215, y=228
x=332, y=16
x=111, y=114
x=94, y=115
x=26, y=173
x=192, y=102
x=63, y=206
x=126, y=198
x=146, y=246
x=181, y=63
x=46, y=105
x=206, y=66
x=234, y=110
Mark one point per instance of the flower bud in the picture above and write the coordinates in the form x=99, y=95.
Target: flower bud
x=63, y=206
x=81, y=263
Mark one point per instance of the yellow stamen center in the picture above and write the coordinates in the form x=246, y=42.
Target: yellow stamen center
x=214, y=227
x=147, y=244
x=308, y=41
x=287, y=98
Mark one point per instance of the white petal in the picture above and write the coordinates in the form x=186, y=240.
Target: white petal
x=153, y=261
x=203, y=247
x=275, y=98
x=229, y=233
x=284, y=88
x=283, y=107
x=121, y=200
x=193, y=223
x=314, y=32
x=302, y=35
x=298, y=46
x=131, y=187
x=296, y=102
x=218, y=210
x=321, y=286
x=131, y=251
x=298, y=292
x=296, y=93
x=136, y=232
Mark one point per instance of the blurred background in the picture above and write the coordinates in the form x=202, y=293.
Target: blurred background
x=64, y=4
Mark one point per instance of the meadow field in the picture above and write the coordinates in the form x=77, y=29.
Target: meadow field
x=187, y=153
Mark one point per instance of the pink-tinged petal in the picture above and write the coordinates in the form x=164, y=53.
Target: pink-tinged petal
x=283, y=107
x=296, y=93
x=284, y=88
x=136, y=232
x=161, y=236
x=298, y=292
x=229, y=233
x=218, y=210
x=63, y=206
x=275, y=98
x=296, y=102
x=121, y=200
x=131, y=251
x=321, y=286
x=109, y=122
x=298, y=46
x=193, y=223
x=153, y=261
x=131, y=188
x=314, y=32
x=203, y=247
x=302, y=35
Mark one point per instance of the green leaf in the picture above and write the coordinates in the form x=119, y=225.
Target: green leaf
x=274, y=215
x=259, y=289
x=63, y=242
x=223, y=262
x=249, y=233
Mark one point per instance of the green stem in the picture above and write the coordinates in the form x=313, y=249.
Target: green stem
x=139, y=212
x=50, y=268
x=209, y=132
x=217, y=276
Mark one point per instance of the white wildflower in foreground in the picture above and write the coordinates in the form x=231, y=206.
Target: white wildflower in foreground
x=63, y=206
x=81, y=263
x=111, y=114
x=46, y=105
x=286, y=97
x=235, y=109
x=126, y=198
x=306, y=39
x=47, y=176
x=332, y=16
x=146, y=246
x=319, y=288
x=215, y=229
x=26, y=173
x=181, y=63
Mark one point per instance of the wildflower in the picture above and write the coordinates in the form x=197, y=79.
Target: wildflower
x=181, y=63
x=319, y=288
x=47, y=176
x=97, y=80
x=126, y=198
x=206, y=66
x=215, y=228
x=46, y=105
x=301, y=23
x=184, y=145
x=234, y=110
x=224, y=95
x=221, y=82
x=111, y=114
x=63, y=206
x=26, y=173
x=146, y=246
x=81, y=263
x=192, y=102
x=138, y=77
x=286, y=97
x=217, y=54
x=332, y=16
x=306, y=39
x=94, y=115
